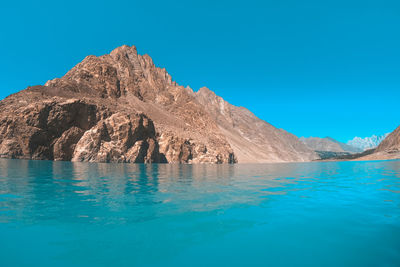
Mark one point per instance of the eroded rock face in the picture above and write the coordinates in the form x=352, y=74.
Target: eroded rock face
x=189, y=151
x=120, y=138
x=64, y=147
x=47, y=129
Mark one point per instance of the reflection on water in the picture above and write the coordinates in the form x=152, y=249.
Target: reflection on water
x=46, y=190
x=162, y=209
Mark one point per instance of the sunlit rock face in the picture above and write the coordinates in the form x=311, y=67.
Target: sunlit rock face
x=391, y=143
x=120, y=107
x=252, y=139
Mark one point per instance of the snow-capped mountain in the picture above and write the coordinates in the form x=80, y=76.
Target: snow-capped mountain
x=367, y=142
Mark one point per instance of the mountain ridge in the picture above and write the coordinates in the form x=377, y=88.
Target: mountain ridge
x=367, y=142
x=328, y=144
x=253, y=139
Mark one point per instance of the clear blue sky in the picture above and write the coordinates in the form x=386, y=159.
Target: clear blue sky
x=314, y=68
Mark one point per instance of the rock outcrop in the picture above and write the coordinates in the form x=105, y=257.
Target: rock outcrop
x=37, y=128
x=120, y=107
x=119, y=138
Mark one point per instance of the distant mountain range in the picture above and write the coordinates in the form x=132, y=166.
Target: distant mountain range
x=367, y=142
x=356, y=145
x=328, y=147
x=389, y=148
x=386, y=146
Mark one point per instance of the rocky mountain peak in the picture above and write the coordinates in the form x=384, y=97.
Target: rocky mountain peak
x=124, y=50
x=205, y=91
x=126, y=109
x=121, y=72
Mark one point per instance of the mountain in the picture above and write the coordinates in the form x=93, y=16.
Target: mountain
x=391, y=144
x=120, y=107
x=328, y=144
x=252, y=139
x=346, y=147
x=389, y=148
x=328, y=148
x=367, y=142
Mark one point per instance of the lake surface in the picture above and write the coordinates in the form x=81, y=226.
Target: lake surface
x=298, y=214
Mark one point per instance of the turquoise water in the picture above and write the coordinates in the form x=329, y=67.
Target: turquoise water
x=306, y=214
